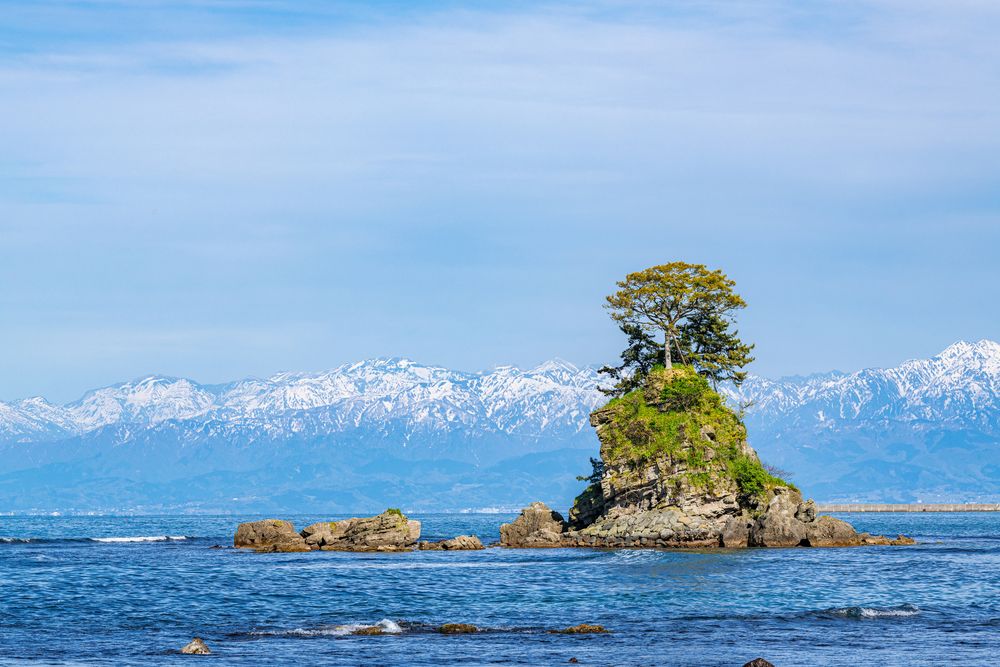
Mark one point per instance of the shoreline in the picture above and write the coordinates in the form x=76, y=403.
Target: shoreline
x=907, y=507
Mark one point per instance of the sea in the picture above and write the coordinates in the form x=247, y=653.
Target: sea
x=132, y=590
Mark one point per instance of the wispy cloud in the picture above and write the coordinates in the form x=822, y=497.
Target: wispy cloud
x=210, y=163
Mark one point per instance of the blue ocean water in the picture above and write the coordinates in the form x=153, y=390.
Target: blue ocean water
x=73, y=591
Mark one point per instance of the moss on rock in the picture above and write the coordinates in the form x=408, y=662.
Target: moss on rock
x=677, y=415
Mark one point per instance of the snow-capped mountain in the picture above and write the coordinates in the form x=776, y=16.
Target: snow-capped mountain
x=927, y=430
x=395, y=431
x=554, y=397
x=959, y=386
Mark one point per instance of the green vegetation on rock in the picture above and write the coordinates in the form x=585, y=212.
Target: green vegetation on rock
x=395, y=510
x=752, y=478
x=677, y=414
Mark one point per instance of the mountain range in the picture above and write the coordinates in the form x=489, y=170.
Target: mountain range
x=394, y=432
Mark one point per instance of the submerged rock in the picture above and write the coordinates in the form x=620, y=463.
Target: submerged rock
x=370, y=630
x=881, y=540
x=460, y=543
x=388, y=531
x=457, y=629
x=538, y=526
x=269, y=535
x=582, y=629
x=196, y=647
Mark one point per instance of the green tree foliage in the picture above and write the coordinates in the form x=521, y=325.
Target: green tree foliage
x=692, y=307
x=641, y=355
x=714, y=348
x=596, y=472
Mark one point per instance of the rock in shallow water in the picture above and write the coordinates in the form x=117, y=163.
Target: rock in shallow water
x=581, y=629
x=460, y=543
x=388, y=531
x=827, y=531
x=758, y=662
x=457, y=629
x=196, y=647
x=269, y=535
x=780, y=525
x=538, y=526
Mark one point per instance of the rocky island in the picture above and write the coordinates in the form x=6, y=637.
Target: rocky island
x=389, y=531
x=676, y=471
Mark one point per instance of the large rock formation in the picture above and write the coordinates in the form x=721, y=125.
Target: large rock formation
x=538, y=526
x=676, y=471
x=389, y=531
x=269, y=535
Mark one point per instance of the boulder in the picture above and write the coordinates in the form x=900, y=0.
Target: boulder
x=196, y=647
x=826, y=531
x=538, y=526
x=779, y=525
x=736, y=532
x=388, y=531
x=460, y=543
x=269, y=535
x=758, y=662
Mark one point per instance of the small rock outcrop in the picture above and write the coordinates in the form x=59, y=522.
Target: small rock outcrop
x=460, y=543
x=388, y=531
x=828, y=531
x=676, y=471
x=196, y=647
x=582, y=629
x=269, y=535
x=538, y=526
x=457, y=629
x=758, y=662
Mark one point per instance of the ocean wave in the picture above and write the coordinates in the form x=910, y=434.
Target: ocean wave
x=141, y=538
x=902, y=611
x=386, y=625
x=69, y=540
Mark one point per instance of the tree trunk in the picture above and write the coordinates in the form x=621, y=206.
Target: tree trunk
x=666, y=349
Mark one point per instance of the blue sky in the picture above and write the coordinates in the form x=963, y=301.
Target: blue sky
x=222, y=189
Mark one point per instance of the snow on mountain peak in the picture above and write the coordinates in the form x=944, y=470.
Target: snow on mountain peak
x=961, y=382
x=984, y=353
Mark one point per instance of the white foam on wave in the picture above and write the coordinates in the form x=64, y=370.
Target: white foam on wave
x=386, y=625
x=902, y=611
x=140, y=538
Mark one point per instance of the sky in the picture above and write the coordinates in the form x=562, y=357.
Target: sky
x=217, y=190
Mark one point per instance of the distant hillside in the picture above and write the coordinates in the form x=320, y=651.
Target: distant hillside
x=390, y=431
